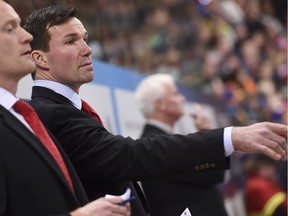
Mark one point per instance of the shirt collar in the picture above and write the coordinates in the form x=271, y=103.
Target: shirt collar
x=7, y=99
x=163, y=126
x=61, y=89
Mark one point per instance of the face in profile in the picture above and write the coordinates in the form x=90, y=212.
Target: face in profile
x=173, y=102
x=69, y=57
x=15, y=58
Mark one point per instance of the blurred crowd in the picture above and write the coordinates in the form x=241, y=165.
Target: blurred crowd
x=234, y=50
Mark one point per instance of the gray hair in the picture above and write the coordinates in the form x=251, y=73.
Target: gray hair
x=151, y=89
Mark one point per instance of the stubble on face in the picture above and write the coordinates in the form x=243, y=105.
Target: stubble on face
x=69, y=57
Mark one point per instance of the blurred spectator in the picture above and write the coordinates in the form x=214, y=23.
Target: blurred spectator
x=264, y=194
x=162, y=105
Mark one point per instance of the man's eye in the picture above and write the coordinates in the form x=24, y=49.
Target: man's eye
x=10, y=29
x=70, y=42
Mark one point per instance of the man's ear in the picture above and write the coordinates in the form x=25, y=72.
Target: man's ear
x=160, y=105
x=39, y=58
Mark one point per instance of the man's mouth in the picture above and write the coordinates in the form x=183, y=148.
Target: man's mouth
x=86, y=64
x=28, y=52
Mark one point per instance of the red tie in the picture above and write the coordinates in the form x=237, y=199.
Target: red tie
x=34, y=122
x=88, y=109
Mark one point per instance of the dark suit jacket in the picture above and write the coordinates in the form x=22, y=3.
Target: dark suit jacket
x=31, y=183
x=197, y=191
x=105, y=162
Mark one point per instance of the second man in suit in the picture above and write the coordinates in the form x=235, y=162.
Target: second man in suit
x=162, y=105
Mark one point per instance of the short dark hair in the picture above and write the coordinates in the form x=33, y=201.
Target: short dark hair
x=38, y=23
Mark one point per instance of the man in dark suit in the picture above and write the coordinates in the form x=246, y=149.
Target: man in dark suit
x=31, y=181
x=105, y=162
x=162, y=105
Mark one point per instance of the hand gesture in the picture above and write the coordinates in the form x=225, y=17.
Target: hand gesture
x=266, y=138
x=201, y=120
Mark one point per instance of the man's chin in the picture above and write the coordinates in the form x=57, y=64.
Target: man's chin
x=89, y=79
x=28, y=69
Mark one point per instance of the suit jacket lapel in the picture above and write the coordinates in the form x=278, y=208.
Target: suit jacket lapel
x=15, y=125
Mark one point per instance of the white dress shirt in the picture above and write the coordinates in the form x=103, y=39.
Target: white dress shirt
x=61, y=89
x=7, y=100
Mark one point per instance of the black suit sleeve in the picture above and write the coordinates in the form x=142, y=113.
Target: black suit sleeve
x=94, y=150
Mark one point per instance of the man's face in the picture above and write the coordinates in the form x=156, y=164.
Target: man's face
x=15, y=59
x=173, y=102
x=69, y=57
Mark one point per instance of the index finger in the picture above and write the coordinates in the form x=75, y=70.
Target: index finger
x=280, y=129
